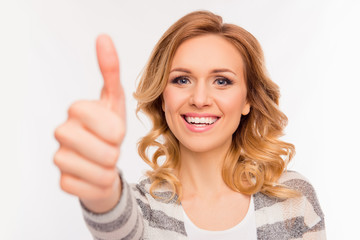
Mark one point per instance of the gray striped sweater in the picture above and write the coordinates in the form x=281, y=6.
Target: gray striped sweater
x=140, y=216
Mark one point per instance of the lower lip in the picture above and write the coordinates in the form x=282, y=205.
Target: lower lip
x=199, y=129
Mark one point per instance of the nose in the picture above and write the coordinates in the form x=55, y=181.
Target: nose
x=200, y=96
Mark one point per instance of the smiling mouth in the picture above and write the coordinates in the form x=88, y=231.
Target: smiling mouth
x=200, y=121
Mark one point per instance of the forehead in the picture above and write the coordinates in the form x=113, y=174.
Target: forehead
x=208, y=51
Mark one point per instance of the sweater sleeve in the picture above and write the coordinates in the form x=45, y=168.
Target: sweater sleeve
x=292, y=218
x=313, y=216
x=124, y=221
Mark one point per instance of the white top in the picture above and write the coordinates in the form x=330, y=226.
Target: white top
x=245, y=230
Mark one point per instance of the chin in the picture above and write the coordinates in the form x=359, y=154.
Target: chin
x=205, y=146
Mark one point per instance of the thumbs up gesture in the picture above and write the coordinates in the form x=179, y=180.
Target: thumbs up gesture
x=90, y=138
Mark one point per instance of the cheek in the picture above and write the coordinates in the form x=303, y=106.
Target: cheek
x=232, y=104
x=171, y=106
x=167, y=100
x=173, y=100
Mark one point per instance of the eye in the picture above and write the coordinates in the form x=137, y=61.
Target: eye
x=223, y=81
x=181, y=80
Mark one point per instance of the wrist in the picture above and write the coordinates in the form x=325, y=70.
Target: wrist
x=104, y=205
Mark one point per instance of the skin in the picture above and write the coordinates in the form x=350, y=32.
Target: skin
x=200, y=66
x=90, y=139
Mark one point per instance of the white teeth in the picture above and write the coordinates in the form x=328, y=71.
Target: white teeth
x=201, y=120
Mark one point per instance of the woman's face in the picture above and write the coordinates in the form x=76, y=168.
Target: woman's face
x=206, y=94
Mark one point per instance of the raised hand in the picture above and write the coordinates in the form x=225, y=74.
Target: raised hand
x=90, y=138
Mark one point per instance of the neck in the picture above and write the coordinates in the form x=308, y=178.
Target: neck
x=201, y=172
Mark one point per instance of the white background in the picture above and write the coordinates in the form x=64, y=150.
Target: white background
x=47, y=61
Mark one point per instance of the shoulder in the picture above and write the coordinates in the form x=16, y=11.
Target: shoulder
x=303, y=213
x=294, y=179
x=300, y=183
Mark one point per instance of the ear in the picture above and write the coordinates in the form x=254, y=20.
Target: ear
x=246, y=109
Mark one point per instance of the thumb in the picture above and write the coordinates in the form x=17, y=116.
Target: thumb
x=112, y=93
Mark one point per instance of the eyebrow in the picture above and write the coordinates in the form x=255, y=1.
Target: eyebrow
x=218, y=70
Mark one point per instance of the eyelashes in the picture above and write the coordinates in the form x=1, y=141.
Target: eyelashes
x=181, y=80
x=223, y=81
x=219, y=81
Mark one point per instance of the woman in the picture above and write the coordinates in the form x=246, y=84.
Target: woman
x=217, y=124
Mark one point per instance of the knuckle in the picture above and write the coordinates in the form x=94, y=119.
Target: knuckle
x=59, y=132
x=65, y=183
x=76, y=108
x=62, y=159
x=119, y=133
x=57, y=158
x=67, y=132
x=111, y=156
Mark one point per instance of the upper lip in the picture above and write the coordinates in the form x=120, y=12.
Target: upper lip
x=200, y=115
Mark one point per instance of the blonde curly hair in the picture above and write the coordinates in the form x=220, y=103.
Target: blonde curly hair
x=257, y=157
